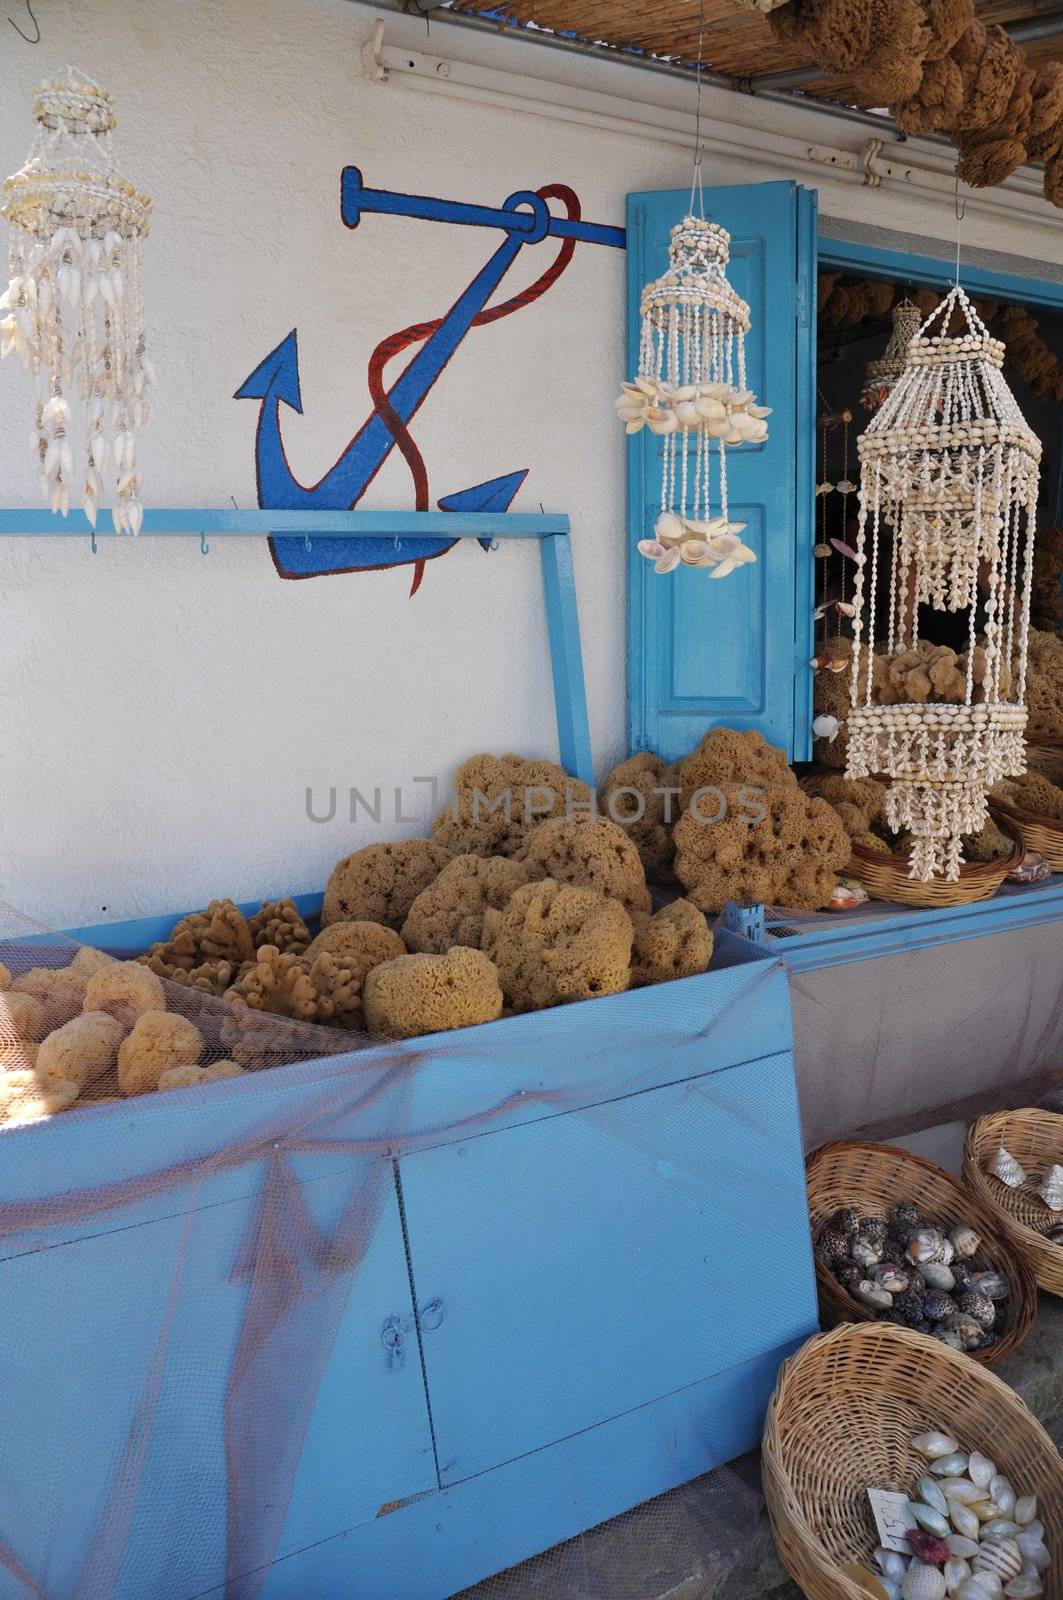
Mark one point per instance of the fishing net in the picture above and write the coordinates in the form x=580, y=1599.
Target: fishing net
x=363, y=1318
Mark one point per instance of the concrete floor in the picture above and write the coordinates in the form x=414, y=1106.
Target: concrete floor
x=710, y=1539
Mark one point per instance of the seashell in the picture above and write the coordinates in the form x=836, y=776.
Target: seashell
x=867, y=1582
x=1005, y=1167
x=846, y=486
x=57, y=410
x=935, y=1444
x=872, y=1295
x=950, y=1466
x=1035, y=1529
x=1027, y=1586
x=658, y=419
x=929, y=1519
x=99, y=451
x=891, y=1563
x=923, y=1583
x=1001, y=1556
x=993, y=1284
x=1051, y=1189
x=971, y=1332
x=710, y=409
x=821, y=550
x=1003, y=1495
x=669, y=528
x=825, y=727
x=1033, y=1550
x=959, y=1546
x=687, y=414
x=928, y=1547
x=964, y=1241
x=651, y=549
x=895, y=1279
x=864, y=1254
x=936, y=1274
x=954, y=1572
x=925, y=1244
x=929, y=1490
x=135, y=516
x=824, y=488
x=938, y=1306
x=981, y=1470
x=668, y=562
x=724, y=568
x=947, y=1337
x=965, y=1521
x=91, y=509
x=693, y=552
x=962, y=1490
x=892, y=1590
x=977, y=1587
x=1025, y=1509
x=981, y=1308
x=999, y=1528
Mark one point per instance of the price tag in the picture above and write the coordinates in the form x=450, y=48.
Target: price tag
x=893, y=1519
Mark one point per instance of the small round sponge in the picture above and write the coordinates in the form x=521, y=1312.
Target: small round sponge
x=380, y=882
x=60, y=990
x=451, y=910
x=432, y=994
x=81, y=1051
x=159, y=1040
x=676, y=943
x=592, y=853
x=125, y=990
x=360, y=946
x=187, y=1076
x=555, y=943
x=22, y=1016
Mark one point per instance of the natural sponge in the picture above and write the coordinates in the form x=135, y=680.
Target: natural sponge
x=81, y=1051
x=989, y=845
x=1046, y=600
x=1033, y=792
x=159, y=1040
x=554, y=943
x=499, y=799
x=432, y=993
x=185, y=1077
x=591, y=852
x=642, y=796
x=22, y=1017
x=858, y=801
x=321, y=988
x=24, y=1097
x=277, y=922
x=1044, y=684
x=676, y=943
x=202, y=940
x=451, y=910
x=60, y=990
x=125, y=990
x=361, y=946
x=726, y=756
x=789, y=858
x=380, y=882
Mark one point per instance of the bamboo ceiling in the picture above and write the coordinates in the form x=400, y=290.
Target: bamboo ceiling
x=738, y=43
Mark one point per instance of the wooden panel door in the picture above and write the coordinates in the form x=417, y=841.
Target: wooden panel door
x=593, y=1262
x=735, y=651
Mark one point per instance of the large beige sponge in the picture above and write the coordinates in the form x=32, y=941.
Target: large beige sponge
x=418, y=994
x=498, y=800
x=81, y=1051
x=380, y=882
x=451, y=910
x=788, y=856
x=60, y=990
x=125, y=990
x=641, y=795
x=729, y=756
x=592, y=853
x=676, y=943
x=159, y=1041
x=555, y=943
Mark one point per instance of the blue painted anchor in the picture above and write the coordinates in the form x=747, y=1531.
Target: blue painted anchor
x=526, y=219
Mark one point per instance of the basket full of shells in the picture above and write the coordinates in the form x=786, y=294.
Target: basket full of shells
x=975, y=1484
x=899, y=1240
x=1013, y=1162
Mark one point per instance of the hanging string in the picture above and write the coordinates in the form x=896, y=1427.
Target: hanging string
x=36, y=27
x=960, y=208
x=695, y=181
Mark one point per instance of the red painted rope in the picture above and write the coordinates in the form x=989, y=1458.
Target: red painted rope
x=418, y=332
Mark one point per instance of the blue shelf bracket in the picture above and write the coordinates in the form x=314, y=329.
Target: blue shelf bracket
x=552, y=531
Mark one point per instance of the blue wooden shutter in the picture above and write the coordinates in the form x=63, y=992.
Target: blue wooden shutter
x=735, y=651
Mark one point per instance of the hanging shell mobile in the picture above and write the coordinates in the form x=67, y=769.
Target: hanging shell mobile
x=882, y=373
x=949, y=471
x=691, y=391
x=74, y=307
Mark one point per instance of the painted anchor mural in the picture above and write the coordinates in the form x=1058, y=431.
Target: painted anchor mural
x=526, y=220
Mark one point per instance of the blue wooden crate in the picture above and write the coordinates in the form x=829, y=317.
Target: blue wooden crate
x=563, y=1309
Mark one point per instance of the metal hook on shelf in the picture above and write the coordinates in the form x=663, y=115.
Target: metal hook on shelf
x=92, y=541
x=204, y=547
x=307, y=546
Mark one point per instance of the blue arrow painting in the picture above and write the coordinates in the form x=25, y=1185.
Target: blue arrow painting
x=525, y=219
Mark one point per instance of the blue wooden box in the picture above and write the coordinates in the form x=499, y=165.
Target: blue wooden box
x=587, y=1254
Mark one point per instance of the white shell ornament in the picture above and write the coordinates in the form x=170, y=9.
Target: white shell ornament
x=1051, y=1188
x=923, y=1583
x=1005, y=1167
x=826, y=727
x=1025, y=1508
x=935, y=1444
x=1027, y=1586
x=980, y=1470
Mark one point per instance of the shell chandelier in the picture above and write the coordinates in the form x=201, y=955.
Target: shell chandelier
x=74, y=308
x=948, y=499
x=881, y=374
x=691, y=391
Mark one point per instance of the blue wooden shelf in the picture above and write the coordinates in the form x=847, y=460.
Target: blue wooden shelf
x=829, y=940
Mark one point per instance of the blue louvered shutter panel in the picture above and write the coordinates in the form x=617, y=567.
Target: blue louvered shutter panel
x=733, y=651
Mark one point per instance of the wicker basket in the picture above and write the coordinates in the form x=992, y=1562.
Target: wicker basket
x=873, y=1178
x=840, y=1422
x=885, y=877
x=1043, y=834
x=1035, y=1139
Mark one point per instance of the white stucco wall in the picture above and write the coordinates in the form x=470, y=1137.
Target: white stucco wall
x=164, y=712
